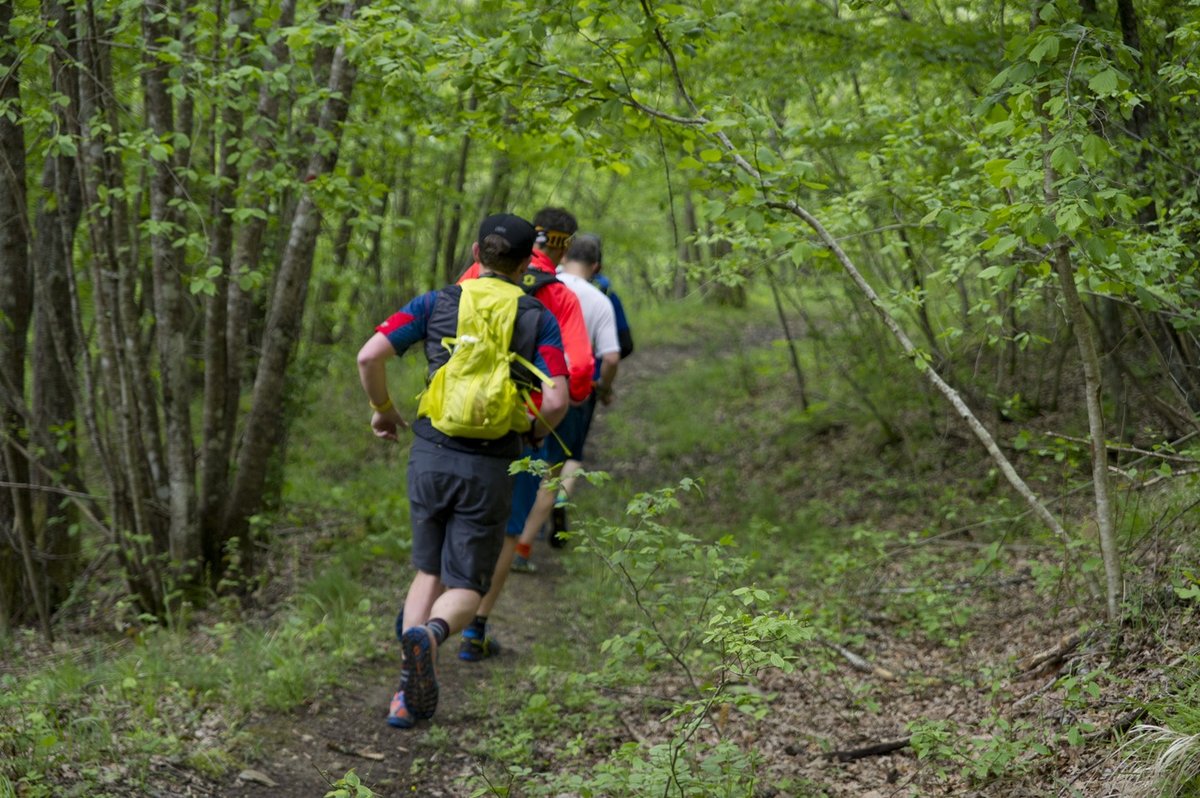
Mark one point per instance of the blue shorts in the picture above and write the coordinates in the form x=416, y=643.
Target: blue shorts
x=525, y=490
x=573, y=431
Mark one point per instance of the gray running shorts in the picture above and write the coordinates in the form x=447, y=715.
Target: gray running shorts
x=459, y=504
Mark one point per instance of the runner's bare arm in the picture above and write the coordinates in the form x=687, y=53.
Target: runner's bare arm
x=372, y=372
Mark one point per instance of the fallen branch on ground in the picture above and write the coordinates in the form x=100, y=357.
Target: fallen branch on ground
x=953, y=587
x=1042, y=661
x=859, y=663
x=878, y=749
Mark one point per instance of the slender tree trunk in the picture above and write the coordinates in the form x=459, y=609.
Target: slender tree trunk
x=56, y=349
x=787, y=332
x=686, y=253
x=223, y=382
x=116, y=334
x=266, y=424
x=1085, y=340
x=495, y=199
x=170, y=321
x=406, y=271
x=16, y=306
x=918, y=286
x=325, y=329
x=439, y=234
x=451, y=267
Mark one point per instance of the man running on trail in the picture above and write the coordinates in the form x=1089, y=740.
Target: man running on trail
x=566, y=445
x=555, y=228
x=459, y=488
x=604, y=391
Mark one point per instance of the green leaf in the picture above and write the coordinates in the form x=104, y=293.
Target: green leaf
x=1068, y=219
x=1095, y=150
x=1006, y=245
x=1104, y=83
x=997, y=172
x=1063, y=159
x=1046, y=48
x=710, y=155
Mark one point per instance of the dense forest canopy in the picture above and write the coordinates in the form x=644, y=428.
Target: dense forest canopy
x=200, y=199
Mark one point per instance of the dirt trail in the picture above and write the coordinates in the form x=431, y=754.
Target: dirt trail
x=304, y=750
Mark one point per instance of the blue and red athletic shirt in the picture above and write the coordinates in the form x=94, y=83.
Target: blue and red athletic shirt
x=434, y=316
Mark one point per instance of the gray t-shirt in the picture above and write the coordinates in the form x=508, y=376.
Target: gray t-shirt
x=598, y=315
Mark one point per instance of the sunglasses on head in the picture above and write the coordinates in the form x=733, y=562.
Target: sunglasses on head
x=557, y=240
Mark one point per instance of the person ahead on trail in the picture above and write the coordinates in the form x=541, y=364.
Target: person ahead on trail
x=587, y=249
x=566, y=445
x=555, y=228
x=459, y=489
x=624, y=332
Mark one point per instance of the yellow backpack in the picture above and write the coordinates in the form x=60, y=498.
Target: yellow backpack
x=473, y=394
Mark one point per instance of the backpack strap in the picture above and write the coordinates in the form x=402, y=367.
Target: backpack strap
x=533, y=279
x=533, y=408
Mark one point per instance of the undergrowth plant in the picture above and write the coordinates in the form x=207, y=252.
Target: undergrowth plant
x=350, y=786
x=94, y=719
x=698, y=634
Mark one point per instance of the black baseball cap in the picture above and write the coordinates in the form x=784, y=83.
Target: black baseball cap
x=519, y=233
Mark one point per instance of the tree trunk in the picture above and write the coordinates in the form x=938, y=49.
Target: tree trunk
x=406, y=271
x=265, y=424
x=439, y=230
x=918, y=286
x=326, y=328
x=55, y=358
x=223, y=388
x=791, y=343
x=183, y=544
x=128, y=472
x=16, y=307
x=685, y=253
x=220, y=374
x=1085, y=340
x=452, y=267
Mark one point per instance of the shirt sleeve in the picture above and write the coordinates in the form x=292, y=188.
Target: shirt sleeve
x=576, y=343
x=408, y=325
x=548, y=353
x=604, y=338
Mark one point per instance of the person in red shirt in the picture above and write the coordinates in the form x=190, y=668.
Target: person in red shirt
x=555, y=228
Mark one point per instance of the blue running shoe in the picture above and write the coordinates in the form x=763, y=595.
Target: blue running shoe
x=398, y=714
x=521, y=565
x=476, y=646
x=421, y=689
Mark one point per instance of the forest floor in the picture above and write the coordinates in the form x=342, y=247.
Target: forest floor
x=999, y=674
x=306, y=750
